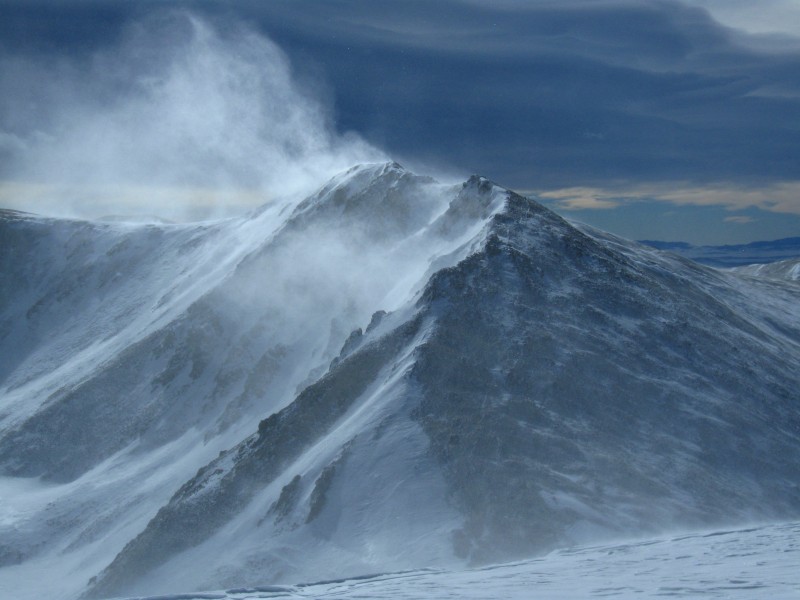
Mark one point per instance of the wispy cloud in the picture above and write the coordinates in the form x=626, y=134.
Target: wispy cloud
x=581, y=198
x=765, y=16
x=781, y=197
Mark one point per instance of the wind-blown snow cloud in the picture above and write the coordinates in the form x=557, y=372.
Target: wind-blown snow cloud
x=580, y=198
x=179, y=118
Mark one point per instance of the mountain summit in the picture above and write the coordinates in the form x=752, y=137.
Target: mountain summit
x=391, y=374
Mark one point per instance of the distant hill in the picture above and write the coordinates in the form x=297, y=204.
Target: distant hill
x=734, y=255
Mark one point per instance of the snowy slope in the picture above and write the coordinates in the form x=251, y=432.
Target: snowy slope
x=784, y=269
x=388, y=375
x=752, y=563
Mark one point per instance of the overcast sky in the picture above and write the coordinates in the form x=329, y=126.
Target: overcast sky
x=672, y=120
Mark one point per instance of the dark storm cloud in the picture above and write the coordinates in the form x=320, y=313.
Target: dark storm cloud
x=532, y=94
x=552, y=93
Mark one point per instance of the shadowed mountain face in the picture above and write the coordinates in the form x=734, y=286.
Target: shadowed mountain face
x=571, y=385
x=518, y=385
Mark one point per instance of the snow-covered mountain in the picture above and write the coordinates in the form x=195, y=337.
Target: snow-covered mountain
x=390, y=374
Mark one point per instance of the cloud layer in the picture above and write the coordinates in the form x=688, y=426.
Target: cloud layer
x=779, y=198
x=624, y=97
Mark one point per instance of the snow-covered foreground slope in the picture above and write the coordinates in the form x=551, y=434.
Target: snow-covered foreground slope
x=391, y=374
x=752, y=563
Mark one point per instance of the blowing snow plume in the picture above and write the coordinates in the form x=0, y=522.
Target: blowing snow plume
x=180, y=118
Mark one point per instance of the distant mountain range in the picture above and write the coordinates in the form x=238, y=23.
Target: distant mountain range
x=391, y=374
x=734, y=255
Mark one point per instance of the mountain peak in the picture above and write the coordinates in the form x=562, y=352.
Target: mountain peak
x=369, y=171
x=480, y=183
